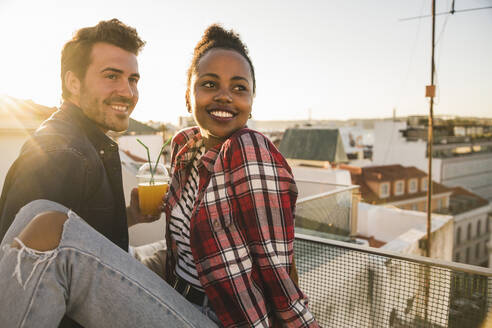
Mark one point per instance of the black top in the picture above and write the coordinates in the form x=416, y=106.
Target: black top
x=69, y=160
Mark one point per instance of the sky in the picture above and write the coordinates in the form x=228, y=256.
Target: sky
x=318, y=59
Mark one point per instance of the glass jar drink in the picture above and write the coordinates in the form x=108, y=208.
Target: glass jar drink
x=152, y=186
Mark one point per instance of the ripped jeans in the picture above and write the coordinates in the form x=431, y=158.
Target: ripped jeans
x=86, y=277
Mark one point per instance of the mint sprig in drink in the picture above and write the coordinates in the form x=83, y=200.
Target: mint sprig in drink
x=153, y=183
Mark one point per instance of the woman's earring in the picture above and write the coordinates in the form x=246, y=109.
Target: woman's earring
x=250, y=116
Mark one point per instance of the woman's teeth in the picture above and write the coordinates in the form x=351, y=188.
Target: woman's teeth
x=220, y=113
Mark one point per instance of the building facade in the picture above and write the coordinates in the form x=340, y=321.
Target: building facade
x=399, y=186
x=406, y=188
x=462, y=150
x=471, y=227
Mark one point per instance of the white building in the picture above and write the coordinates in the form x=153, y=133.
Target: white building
x=139, y=234
x=18, y=120
x=11, y=142
x=462, y=155
x=358, y=143
x=130, y=144
x=403, y=231
x=328, y=175
x=471, y=227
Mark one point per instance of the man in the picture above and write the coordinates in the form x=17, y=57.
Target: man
x=69, y=159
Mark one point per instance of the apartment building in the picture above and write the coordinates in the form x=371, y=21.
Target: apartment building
x=462, y=150
x=402, y=187
x=471, y=227
x=406, y=188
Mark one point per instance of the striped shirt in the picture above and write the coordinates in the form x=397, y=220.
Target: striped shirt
x=180, y=225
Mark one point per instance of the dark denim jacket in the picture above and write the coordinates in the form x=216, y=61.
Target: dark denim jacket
x=69, y=160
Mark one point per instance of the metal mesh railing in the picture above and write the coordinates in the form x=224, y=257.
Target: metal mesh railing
x=329, y=212
x=354, y=286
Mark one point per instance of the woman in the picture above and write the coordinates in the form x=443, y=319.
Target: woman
x=230, y=208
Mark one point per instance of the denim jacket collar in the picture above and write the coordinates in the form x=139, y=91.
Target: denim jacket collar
x=99, y=139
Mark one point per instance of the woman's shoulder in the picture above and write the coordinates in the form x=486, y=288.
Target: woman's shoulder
x=182, y=140
x=246, y=137
x=252, y=145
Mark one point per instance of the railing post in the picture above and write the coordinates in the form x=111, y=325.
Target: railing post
x=354, y=213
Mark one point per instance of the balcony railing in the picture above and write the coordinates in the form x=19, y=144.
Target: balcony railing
x=324, y=208
x=355, y=286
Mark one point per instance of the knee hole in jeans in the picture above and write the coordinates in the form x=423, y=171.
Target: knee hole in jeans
x=44, y=231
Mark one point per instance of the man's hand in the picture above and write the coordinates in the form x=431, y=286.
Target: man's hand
x=133, y=211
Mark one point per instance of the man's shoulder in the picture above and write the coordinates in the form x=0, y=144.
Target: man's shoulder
x=59, y=124
x=57, y=134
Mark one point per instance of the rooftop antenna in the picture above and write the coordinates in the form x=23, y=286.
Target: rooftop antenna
x=430, y=93
x=452, y=12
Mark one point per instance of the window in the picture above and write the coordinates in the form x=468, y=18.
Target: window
x=477, y=148
x=399, y=187
x=424, y=184
x=479, y=228
x=487, y=227
x=477, y=251
x=486, y=247
x=468, y=231
x=384, y=190
x=457, y=257
x=459, y=131
x=439, y=204
x=415, y=207
x=462, y=150
x=445, y=202
x=458, y=236
x=467, y=258
x=412, y=186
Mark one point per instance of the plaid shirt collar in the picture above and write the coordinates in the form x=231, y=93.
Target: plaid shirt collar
x=188, y=142
x=188, y=152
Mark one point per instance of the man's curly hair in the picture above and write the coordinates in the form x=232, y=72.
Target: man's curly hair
x=76, y=53
x=216, y=37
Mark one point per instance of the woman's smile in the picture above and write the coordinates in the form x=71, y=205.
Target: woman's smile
x=221, y=113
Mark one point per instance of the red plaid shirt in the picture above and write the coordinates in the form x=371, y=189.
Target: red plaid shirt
x=242, y=228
